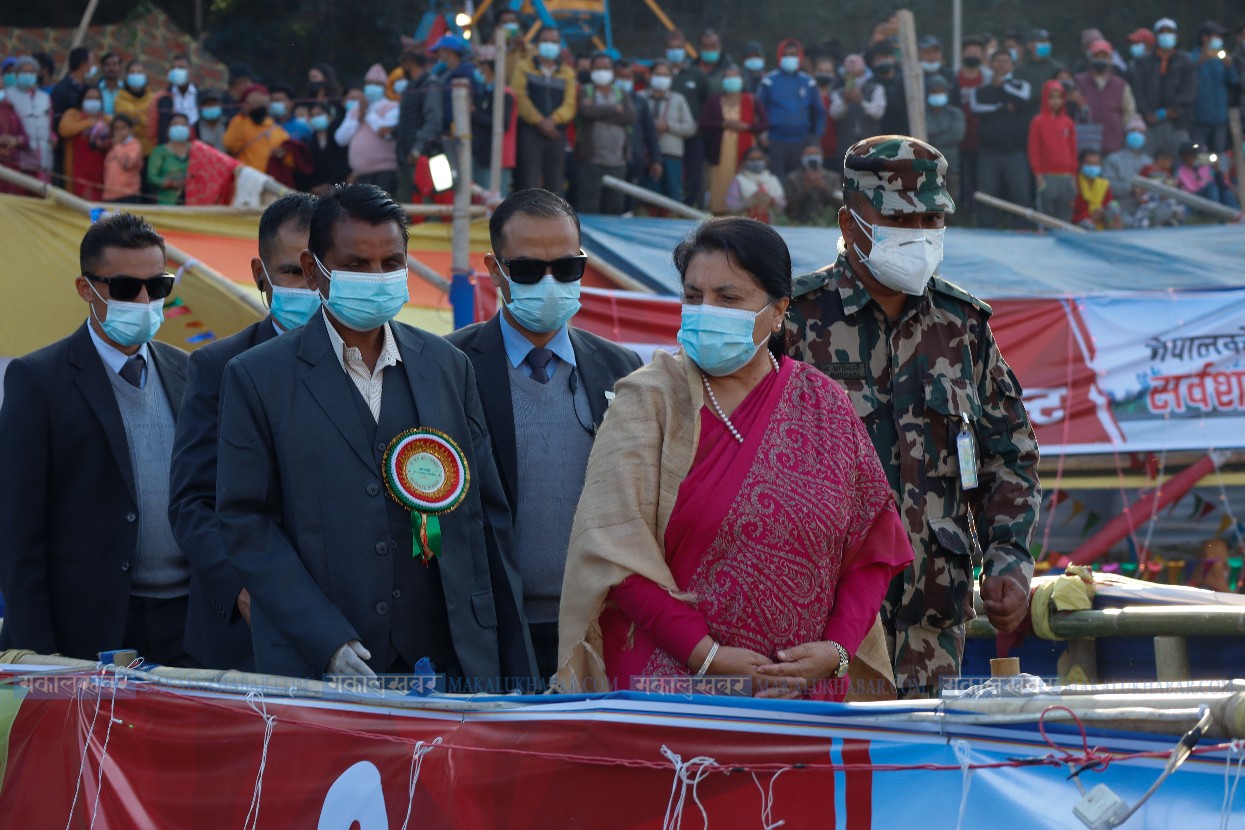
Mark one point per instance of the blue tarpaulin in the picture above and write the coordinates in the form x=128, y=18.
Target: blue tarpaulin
x=990, y=264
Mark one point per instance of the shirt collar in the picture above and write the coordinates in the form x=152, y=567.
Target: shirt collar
x=389, y=354
x=113, y=357
x=517, y=346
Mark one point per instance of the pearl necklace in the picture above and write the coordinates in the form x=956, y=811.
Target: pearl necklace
x=713, y=400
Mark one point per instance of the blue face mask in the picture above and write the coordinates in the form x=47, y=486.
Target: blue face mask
x=373, y=92
x=365, y=301
x=754, y=64
x=439, y=68
x=477, y=75
x=710, y=57
x=732, y=84
x=292, y=307
x=625, y=86
x=10, y=78
x=676, y=56
x=319, y=122
x=179, y=132
x=277, y=109
x=400, y=85
x=26, y=80
x=789, y=63
x=179, y=76
x=130, y=324
x=549, y=51
x=1135, y=140
x=719, y=340
x=136, y=80
x=210, y=113
x=937, y=99
x=1042, y=50
x=351, y=105
x=1137, y=50
x=546, y=306
x=1091, y=171
x=1167, y=40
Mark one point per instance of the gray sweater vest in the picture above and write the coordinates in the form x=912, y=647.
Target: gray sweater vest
x=160, y=568
x=552, y=448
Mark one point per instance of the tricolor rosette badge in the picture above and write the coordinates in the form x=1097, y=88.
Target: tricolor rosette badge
x=426, y=472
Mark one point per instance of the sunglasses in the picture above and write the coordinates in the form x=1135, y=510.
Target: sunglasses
x=127, y=288
x=527, y=271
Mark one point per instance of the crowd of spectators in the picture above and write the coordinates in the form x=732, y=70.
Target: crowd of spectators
x=1013, y=118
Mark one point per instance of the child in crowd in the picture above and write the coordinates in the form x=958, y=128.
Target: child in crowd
x=1154, y=209
x=123, y=166
x=1197, y=175
x=1095, y=207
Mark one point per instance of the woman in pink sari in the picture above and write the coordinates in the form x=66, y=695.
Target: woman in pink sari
x=735, y=520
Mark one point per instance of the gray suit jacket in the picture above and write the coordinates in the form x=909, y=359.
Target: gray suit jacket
x=301, y=502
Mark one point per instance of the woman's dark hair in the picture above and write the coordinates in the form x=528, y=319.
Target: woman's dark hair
x=332, y=87
x=82, y=95
x=753, y=246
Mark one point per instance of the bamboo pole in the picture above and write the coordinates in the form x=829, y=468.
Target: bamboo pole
x=1139, y=621
x=175, y=254
x=1036, y=217
x=913, y=75
x=646, y=195
x=615, y=275
x=427, y=273
x=1191, y=199
x=1171, y=658
x=499, y=112
x=460, y=92
x=83, y=25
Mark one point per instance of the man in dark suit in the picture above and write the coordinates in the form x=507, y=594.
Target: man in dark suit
x=337, y=581
x=87, y=561
x=218, y=633
x=545, y=387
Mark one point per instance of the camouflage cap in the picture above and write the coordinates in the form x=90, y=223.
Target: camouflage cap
x=898, y=174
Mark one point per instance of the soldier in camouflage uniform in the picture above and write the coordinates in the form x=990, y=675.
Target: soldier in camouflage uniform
x=943, y=408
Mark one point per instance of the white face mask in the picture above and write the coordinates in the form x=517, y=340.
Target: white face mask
x=902, y=259
x=602, y=77
x=661, y=83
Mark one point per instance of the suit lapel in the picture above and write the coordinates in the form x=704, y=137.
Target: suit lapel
x=173, y=377
x=329, y=385
x=263, y=331
x=92, y=381
x=429, y=407
x=591, y=373
x=493, y=378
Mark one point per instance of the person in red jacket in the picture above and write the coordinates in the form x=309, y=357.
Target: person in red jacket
x=1052, y=154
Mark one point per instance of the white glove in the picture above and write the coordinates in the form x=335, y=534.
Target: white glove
x=349, y=659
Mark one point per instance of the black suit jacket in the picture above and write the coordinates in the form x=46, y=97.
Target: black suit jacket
x=599, y=365
x=302, y=504
x=216, y=634
x=68, y=508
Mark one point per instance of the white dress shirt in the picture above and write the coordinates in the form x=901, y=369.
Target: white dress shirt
x=371, y=384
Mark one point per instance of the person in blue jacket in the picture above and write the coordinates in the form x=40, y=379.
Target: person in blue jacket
x=796, y=112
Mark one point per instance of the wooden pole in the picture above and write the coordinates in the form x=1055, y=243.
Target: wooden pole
x=1238, y=142
x=646, y=195
x=462, y=292
x=1036, y=217
x=1171, y=658
x=957, y=35
x=913, y=75
x=80, y=33
x=1139, y=621
x=1191, y=199
x=499, y=112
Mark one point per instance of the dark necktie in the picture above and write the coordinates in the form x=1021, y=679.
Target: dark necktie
x=132, y=371
x=539, y=359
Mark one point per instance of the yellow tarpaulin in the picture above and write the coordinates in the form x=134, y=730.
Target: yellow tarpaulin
x=39, y=242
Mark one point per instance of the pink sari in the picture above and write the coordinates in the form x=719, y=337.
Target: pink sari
x=764, y=534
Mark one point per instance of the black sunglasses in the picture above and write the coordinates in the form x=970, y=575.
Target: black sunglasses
x=527, y=271
x=127, y=288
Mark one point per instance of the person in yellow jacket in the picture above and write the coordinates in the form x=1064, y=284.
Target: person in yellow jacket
x=253, y=137
x=136, y=102
x=544, y=90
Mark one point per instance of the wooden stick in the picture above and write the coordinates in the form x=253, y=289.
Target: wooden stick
x=913, y=75
x=1191, y=199
x=646, y=195
x=1036, y=217
x=80, y=32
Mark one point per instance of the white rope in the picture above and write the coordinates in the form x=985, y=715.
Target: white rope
x=86, y=741
x=269, y=722
x=1229, y=795
x=964, y=753
x=686, y=775
x=417, y=762
x=103, y=755
x=767, y=801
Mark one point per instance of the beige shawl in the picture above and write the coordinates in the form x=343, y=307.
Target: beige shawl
x=642, y=453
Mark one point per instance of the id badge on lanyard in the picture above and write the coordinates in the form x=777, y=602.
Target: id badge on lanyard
x=966, y=450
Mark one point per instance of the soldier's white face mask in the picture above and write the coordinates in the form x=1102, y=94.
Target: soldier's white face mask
x=902, y=259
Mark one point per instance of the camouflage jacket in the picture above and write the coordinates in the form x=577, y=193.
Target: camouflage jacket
x=916, y=382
